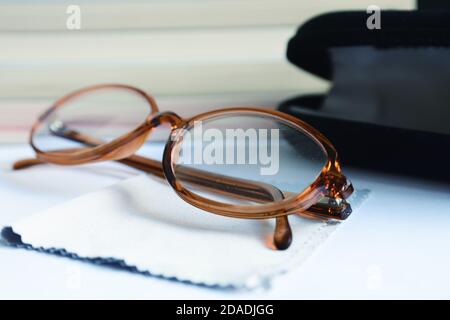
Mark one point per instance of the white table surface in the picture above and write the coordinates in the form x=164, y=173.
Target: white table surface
x=396, y=246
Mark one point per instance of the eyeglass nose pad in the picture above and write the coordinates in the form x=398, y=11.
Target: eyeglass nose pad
x=282, y=237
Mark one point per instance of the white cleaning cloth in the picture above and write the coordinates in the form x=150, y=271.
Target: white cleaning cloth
x=141, y=225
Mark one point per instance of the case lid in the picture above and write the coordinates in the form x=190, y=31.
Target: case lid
x=309, y=48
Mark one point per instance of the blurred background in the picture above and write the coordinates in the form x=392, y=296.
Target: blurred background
x=192, y=55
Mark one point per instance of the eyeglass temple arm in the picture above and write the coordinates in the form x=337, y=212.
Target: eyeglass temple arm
x=244, y=189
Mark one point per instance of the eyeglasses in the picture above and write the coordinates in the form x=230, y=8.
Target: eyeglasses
x=237, y=162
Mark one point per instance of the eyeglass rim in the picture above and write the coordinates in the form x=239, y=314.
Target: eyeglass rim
x=302, y=201
x=98, y=153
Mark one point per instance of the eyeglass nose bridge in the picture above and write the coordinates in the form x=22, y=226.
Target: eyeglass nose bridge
x=155, y=120
x=140, y=135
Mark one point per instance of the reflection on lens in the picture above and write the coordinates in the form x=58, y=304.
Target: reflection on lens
x=100, y=116
x=247, y=159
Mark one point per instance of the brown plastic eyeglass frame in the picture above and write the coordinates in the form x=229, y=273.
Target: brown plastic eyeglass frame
x=323, y=198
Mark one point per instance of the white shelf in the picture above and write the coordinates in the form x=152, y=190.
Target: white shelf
x=181, y=51
x=23, y=15
x=169, y=63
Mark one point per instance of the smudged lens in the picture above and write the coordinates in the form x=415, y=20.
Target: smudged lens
x=247, y=159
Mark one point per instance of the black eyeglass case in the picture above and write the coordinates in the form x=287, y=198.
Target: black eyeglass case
x=388, y=106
